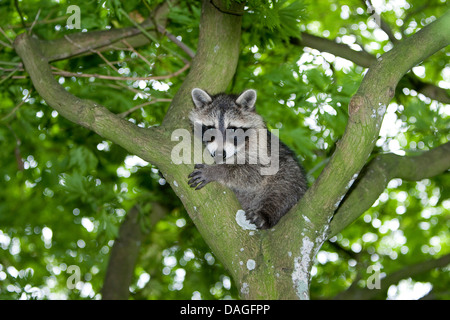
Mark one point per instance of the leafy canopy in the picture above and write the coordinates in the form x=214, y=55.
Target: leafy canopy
x=64, y=191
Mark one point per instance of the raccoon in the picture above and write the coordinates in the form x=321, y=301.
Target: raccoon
x=238, y=164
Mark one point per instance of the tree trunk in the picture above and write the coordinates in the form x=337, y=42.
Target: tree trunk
x=125, y=253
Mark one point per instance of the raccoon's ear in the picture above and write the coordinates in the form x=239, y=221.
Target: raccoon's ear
x=200, y=97
x=247, y=99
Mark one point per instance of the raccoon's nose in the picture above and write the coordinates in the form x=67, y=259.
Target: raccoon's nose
x=224, y=155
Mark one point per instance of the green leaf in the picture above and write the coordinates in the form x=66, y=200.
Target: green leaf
x=290, y=16
x=74, y=186
x=82, y=160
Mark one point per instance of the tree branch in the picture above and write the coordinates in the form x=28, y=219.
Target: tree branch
x=361, y=58
x=174, y=39
x=365, y=59
x=83, y=42
x=19, y=12
x=140, y=106
x=374, y=178
x=354, y=292
x=380, y=21
x=119, y=78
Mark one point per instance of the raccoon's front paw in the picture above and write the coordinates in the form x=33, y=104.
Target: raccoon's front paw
x=256, y=219
x=198, y=177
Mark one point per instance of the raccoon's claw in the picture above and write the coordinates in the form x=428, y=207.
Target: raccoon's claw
x=193, y=174
x=256, y=219
x=201, y=185
x=197, y=183
x=197, y=177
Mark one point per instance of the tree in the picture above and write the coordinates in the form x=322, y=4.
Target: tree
x=239, y=44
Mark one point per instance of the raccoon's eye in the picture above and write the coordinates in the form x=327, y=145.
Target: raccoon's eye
x=233, y=129
x=236, y=128
x=206, y=128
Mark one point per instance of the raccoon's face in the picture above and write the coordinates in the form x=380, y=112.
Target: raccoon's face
x=226, y=121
